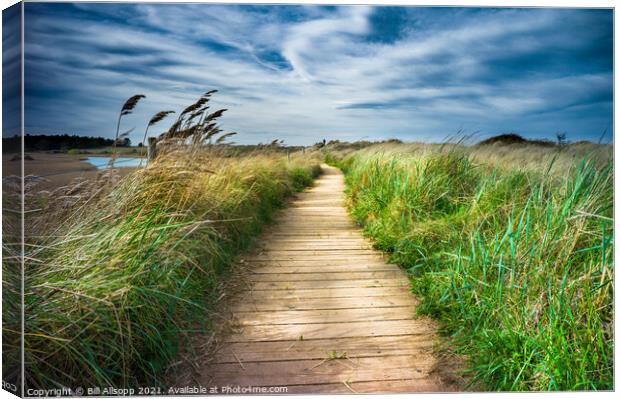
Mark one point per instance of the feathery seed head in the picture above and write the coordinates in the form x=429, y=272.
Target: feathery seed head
x=131, y=103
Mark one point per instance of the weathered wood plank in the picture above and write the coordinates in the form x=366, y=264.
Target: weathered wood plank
x=330, y=275
x=325, y=303
x=315, y=246
x=312, y=316
x=319, y=372
x=274, y=268
x=319, y=261
x=318, y=349
x=377, y=387
x=356, y=292
x=374, y=328
x=342, y=283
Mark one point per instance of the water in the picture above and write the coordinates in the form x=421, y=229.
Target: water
x=120, y=162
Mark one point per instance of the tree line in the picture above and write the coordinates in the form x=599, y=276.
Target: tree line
x=62, y=142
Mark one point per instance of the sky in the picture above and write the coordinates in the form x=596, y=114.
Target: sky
x=308, y=73
x=11, y=71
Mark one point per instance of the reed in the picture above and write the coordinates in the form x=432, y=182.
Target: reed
x=158, y=117
x=126, y=109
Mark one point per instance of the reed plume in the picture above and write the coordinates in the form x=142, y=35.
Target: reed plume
x=126, y=133
x=131, y=103
x=224, y=137
x=185, y=127
x=127, y=108
x=197, y=105
x=158, y=117
x=215, y=115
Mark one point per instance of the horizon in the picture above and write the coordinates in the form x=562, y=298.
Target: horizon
x=463, y=140
x=308, y=73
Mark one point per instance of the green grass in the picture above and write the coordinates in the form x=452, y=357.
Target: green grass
x=517, y=264
x=112, y=289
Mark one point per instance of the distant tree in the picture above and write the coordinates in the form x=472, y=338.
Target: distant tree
x=320, y=144
x=42, y=144
x=52, y=142
x=561, y=139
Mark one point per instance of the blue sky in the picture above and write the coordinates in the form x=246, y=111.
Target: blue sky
x=304, y=73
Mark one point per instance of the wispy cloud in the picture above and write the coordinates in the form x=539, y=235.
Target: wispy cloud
x=304, y=73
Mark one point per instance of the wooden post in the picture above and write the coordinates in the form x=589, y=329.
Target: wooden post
x=152, y=148
x=288, y=155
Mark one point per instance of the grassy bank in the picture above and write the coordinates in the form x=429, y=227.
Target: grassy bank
x=516, y=262
x=111, y=290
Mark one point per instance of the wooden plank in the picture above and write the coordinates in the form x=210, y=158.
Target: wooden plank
x=304, y=204
x=315, y=265
x=356, y=292
x=327, y=224
x=331, y=371
x=295, y=215
x=324, y=303
x=298, y=219
x=324, y=316
x=331, y=276
x=342, y=283
x=322, y=269
x=301, y=231
x=309, y=231
x=315, y=246
x=317, y=242
x=302, y=269
x=309, y=234
x=323, y=252
x=317, y=349
x=316, y=202
x=318, y=261
x=338, y=248
x=375, y=387
x=326, y=218
x=331, y=330
x=313, y=257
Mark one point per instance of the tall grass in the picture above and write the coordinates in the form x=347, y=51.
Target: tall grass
x=112, y=289
x=516, y=263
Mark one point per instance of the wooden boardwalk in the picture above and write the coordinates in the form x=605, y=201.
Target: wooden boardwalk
x=324, y=313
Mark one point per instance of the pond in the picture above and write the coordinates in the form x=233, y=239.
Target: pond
x=120, y=162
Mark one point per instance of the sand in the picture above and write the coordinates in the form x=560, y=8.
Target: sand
x=57, y=169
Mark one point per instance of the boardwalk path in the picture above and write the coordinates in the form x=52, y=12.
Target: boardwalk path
x=324, y=313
